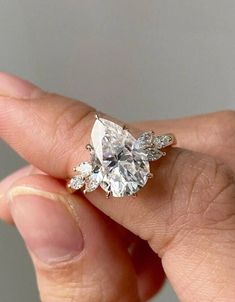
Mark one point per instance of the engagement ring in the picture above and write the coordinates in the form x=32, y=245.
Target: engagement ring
x=120, y=162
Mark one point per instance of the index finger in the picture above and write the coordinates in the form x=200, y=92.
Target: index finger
x=212, y=133
x=47, y=130
x=50, y=131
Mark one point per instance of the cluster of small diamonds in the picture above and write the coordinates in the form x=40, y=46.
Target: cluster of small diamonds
x=150, y=144
x=86, y=176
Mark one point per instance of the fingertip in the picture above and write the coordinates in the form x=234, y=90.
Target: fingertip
x=5, y=185
x=59, y=240
x=79, y=250
x=13, y=86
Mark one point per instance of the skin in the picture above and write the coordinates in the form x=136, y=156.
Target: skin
x=88, y=248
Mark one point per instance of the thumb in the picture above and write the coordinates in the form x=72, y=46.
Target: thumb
x=187, y=216
x=75, y=254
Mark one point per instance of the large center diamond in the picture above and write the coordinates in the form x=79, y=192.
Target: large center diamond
x=125, y=170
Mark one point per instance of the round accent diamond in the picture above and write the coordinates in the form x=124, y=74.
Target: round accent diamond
x=125, y=169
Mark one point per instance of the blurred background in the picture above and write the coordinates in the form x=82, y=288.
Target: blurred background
x=131, y=58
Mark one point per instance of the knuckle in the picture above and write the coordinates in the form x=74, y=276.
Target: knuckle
x=71, y=123
x=72, y=120
x=218, y=209
x=71, y=282
x=209, y=192
x=73, y=117
x=202, y=195
x=63, y=283
x=72, y=293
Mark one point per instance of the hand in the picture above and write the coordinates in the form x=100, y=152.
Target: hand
x=88, y=248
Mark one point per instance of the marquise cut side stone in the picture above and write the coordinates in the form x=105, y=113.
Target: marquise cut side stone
x=93, y=181
x=76, y=182
x=146, y=140
x=163, y=141
x=84, y=169
x=154, y=154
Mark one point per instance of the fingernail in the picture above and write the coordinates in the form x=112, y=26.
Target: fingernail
x=49, y=230
x=12, y=86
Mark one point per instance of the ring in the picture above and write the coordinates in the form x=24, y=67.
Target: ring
x=120, y=162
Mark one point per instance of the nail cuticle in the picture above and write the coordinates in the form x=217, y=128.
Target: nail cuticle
x=33, y=190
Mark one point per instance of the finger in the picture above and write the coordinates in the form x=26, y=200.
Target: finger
x=148, y=269
x=75, y=254
x=5, y=185
x=147, y=265
x=5, y=214
x=184, y=198
x=44, y=123
x=199, y=133
x=12, y=86
x=213, y=134
x=127, y=238
x=64, y=119
x=187, y=216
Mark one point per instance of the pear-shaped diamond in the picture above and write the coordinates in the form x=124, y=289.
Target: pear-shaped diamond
x=125, y=170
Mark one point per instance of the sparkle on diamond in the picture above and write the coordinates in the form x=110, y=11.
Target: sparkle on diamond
x=125, y=170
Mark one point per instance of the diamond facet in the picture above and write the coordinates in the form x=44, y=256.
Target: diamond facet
x=125, y=169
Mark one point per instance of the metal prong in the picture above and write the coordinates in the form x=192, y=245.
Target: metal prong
x=74, y=169
x=97, y=117
x=89, y=147
x=150, y=175
x=69, y=189
x=124, y=127
x=84, y=191
x=108, y=194
x=134, y=195
x=172, y=139
x=163, y=153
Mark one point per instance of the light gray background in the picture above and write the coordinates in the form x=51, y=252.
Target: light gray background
x=132, y=58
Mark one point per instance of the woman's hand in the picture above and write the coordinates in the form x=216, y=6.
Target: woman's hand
x=88, y=248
